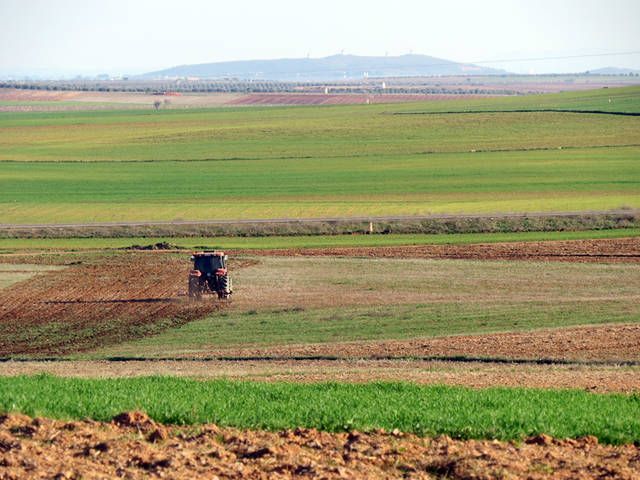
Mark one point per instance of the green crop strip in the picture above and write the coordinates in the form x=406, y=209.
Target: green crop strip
x=310, y=241
x=502, y=413
x=567, y=180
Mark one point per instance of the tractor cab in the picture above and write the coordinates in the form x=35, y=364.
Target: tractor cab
x=209, y=263
x=209, y=275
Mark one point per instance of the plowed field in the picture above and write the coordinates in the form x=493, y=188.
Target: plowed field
x=107, y=300
x=134, y=446
x=600, y=250
x=101, y=302
x=613, y=343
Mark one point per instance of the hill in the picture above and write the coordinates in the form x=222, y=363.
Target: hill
x=613, y=71
x=335, y=67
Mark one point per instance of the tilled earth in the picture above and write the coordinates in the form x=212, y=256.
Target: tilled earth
x=613, y=343
x=134, y=446
x=598, y=250
x=102, y=302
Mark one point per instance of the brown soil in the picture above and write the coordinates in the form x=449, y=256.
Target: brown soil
x=103, y=302
x=592, y=378
x=134, y=446
x=600, y=250
x=614, y=343
x=10, y=94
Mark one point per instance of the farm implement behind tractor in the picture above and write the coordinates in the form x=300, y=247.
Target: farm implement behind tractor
x=209, y=275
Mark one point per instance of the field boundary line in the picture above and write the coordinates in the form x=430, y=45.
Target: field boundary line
x=333, y=358
x=537, y=110
x=10, y=226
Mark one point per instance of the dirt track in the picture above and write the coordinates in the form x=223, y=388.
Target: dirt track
x=134, y=446
x=601, y=250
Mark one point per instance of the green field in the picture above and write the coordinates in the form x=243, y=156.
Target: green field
x=334, y=161
x=320, y=132
x=508, y=414
x=328, y=300
x=617, y=100
x=306, y=241
x=320, y=161
x=344, y=132
x=348, y=324
x=568, y=180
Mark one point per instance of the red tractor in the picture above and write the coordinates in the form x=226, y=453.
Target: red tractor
x=209, y=275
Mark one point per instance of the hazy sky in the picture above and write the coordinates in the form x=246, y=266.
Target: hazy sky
x=117, y=36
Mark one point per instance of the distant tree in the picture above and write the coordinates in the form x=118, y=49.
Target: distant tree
x=157, y=104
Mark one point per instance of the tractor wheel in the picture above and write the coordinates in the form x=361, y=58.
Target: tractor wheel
x=225, y=287
x=194, y=289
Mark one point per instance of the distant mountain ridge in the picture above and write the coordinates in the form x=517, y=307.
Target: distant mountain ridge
x=335, y=67
x=613, y=71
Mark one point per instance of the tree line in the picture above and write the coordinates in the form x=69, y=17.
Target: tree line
x=231, y=86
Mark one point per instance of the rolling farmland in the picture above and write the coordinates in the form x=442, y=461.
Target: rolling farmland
x=383, y=354
x=339, y=161
x=568, y=180
x=320, y=299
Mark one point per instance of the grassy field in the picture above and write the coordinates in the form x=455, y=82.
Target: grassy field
x=509, y=414
x=620, y=100
x=317, y=132
x=295, y=133
x=567, y=180
x=241, y=163
x=398, y=322
x=308, y=241
x=325, y=300
x=320, y=161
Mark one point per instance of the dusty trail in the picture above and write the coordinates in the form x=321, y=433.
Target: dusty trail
x=134, y=446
